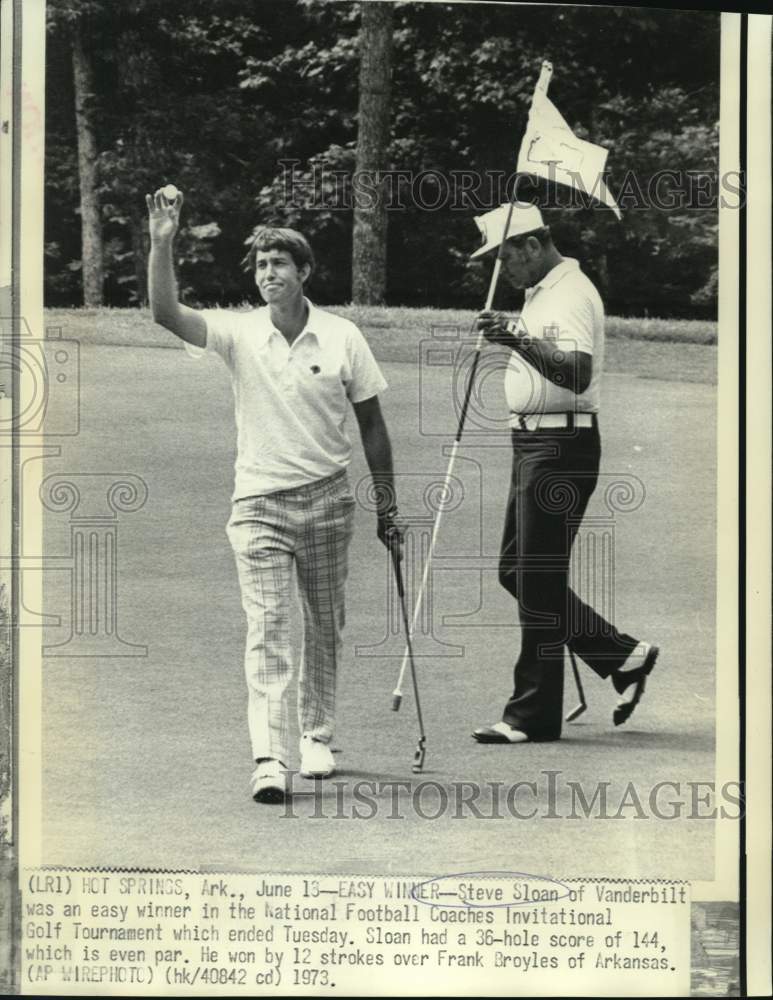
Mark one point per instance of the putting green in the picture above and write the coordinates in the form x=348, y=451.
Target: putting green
x=146, y=759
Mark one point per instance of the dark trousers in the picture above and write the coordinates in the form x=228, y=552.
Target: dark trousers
x=554, y=474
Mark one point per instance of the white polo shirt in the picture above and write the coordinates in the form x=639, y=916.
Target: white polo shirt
x=290, y=402
x=565, y=308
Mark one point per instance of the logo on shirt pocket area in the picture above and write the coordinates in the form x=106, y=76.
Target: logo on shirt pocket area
x=316, y=375
x=324, y=390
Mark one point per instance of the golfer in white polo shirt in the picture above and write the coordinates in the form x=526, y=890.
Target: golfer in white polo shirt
x=552, y=387
x=294, y=371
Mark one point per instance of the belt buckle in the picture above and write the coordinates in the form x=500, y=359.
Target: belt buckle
x=527, y=421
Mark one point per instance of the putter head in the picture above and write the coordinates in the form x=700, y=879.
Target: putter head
x=397, y=697
x=576, y=712
x=418, y=757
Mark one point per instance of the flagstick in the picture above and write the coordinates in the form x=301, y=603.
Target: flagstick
x=397, y=694
x=545, y=76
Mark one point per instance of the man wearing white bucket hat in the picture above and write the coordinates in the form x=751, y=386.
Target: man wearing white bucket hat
x=552, y=388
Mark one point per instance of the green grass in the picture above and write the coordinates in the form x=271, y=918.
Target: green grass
x=673, y=350
x=400, y=318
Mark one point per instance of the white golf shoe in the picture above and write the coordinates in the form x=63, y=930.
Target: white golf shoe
x=316, y=759
x=269, y=781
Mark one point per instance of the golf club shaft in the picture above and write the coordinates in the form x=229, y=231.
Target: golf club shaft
x=577, y=681
x=408, y=642
x=397, y=694
x=425, y=575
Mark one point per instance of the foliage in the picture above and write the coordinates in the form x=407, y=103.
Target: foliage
x=221, y=100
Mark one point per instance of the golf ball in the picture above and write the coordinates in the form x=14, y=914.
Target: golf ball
x=170, y=192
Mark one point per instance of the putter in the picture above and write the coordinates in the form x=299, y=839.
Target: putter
x=421, y=746
x=576, y=712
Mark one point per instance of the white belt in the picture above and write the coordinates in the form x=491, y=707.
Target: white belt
x=547, y=421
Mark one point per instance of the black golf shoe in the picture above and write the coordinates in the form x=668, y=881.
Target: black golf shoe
x=630, y=685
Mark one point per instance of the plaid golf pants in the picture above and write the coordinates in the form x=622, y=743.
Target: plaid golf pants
x=310, y=528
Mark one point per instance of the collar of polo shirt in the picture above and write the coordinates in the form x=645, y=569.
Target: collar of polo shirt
x=556, y=273
x=315, y=324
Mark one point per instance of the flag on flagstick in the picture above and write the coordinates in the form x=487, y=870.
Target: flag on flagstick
x=551, y=150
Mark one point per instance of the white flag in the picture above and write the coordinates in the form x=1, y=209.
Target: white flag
x=550, y=149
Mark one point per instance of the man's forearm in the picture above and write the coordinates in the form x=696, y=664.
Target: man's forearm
x=162, y=286
x=562, y=368
x=165, y=305
x=569, y=369
x=378, y=455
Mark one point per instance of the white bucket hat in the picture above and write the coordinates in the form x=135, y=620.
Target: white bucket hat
x=525, y=219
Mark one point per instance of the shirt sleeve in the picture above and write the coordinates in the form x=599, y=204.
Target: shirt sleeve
x=582, y=317
x=366, y=378
x=220, y=335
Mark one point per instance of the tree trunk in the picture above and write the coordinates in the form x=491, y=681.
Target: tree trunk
x=370, y=210
x=91, y=222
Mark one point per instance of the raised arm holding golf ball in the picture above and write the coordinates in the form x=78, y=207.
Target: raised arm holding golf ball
x=552, y=386
x=294, y=371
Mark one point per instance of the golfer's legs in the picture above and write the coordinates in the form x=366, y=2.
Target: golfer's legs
x=553, y=478
x=533, y=568
x=259, y=532
x=322, y=562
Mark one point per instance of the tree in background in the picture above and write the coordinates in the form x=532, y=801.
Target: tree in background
x=255, y=117
x=91, y=222
x=170, y=108
x=369, y=236
x=72, y=18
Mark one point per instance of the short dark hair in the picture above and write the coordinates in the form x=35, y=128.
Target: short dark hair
x=542, y=234
x=276, y=238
